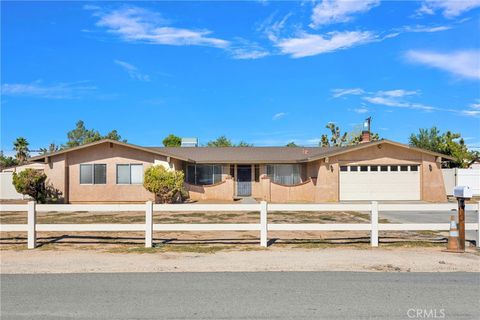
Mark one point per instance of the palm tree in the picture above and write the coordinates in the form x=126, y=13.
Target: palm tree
x=21, y=147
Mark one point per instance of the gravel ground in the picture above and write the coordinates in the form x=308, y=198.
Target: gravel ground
x=270, y=259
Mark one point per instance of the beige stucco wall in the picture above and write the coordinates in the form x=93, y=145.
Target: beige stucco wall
x=432, y=186
x=219, y=191
x=63, y=172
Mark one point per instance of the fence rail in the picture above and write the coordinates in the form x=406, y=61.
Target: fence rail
x=263, y=226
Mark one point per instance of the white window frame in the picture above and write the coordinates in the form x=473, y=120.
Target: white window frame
x=130, y=175
x=93, y=173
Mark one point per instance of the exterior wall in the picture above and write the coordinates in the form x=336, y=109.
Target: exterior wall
x=111, y=155
x=219, y=191
x=304, y=192
x=432, y=186
x=57, y=176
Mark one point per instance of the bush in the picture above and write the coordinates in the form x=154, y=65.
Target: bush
x=166, y=185
x=31, y=182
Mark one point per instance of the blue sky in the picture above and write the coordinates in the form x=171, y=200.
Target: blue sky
x=266, y=72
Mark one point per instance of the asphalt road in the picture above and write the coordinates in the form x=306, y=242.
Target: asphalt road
x=268, y=295
x=430, y=217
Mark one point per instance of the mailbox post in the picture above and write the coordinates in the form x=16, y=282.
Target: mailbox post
x=461, y=193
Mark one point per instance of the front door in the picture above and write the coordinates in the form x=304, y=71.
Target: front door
x=244, y=180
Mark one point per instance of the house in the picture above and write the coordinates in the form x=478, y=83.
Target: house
x=112, y=171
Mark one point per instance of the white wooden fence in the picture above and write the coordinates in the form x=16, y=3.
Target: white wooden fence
x=461, y=177
x=263, y=226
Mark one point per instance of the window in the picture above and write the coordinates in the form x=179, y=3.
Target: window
x=232, y=171
x=363, y=168
x=204, y=174
x=287, y=174
x=373, y=168
x=129, y=173
x=403, y=168
x=93, y=174
x=343, y=168
x=393, y=168
x=353, y=168
x=383, y=168
x=257, y=173
x=413, y=168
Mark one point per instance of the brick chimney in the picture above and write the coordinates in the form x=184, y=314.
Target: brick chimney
x=365, y=136
x=366, y=130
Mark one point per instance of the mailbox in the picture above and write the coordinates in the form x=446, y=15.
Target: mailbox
x=462, y=192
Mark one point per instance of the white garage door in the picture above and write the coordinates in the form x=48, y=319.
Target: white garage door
x=388, y=182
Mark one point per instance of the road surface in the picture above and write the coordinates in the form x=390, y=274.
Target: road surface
x=255, y=295
x=430, y=217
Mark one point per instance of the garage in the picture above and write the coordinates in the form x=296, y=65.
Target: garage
x=379, y=182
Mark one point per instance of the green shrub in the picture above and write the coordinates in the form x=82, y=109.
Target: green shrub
x=166, y=185
x=31, y=182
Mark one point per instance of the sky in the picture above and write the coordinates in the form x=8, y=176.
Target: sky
x=265, y=72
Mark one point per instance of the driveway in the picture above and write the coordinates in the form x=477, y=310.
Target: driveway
x=251, y=295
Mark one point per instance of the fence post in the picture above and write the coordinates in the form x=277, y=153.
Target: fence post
x=263, y=223
x=149, y=224
x=31, y=225
x=478, y=225
x=374, y=224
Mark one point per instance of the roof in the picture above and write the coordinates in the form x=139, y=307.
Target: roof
x=87, y=145
x=246, y=154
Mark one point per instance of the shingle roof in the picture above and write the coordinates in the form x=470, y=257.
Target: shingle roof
x=245, y=154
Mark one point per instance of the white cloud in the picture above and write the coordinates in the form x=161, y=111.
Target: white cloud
x=138, y=24
x=53, y=91
x=133, y=71
x=343, y=92
x=307, y=44
x=361, y=110
x=391, y=102
x=428, y=29
x=278, y=115
x=397, y=93
x=244, y=49
x=334, y=11
x=449, y=8
x=471, y=113
x=464, y=63
x=475, y=106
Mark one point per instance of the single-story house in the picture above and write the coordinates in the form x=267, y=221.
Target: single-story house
x=112, y=171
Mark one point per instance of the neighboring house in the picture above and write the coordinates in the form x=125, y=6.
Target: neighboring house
x=112, y=171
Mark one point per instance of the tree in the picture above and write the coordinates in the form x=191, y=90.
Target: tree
x=51, y=149
x=81, y=135
x=172, y=141
x=113, y=135
x=244, y=144
x=448, y=143
x=221, y=141
x=291, y=144
x=166, y=185
x=31, y=182
x=21, y=148
x=6, y=162
x=337, y=139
